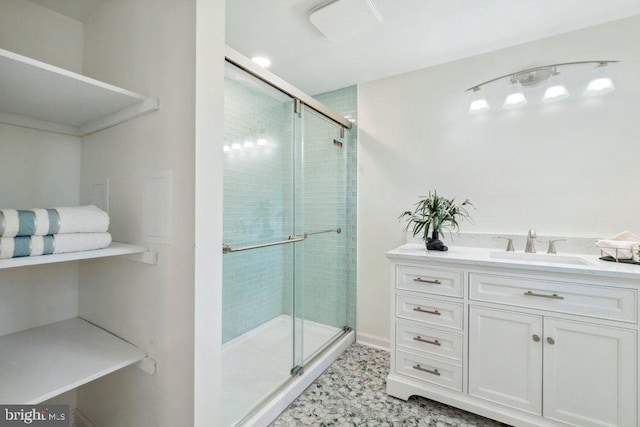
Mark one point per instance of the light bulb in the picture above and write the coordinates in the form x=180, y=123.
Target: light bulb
x=556, y=91
x=478, y=101
x=262, y=142
x=601, y=83
x=226, y=148
x=262, y=61
x=248, y=145
x=515, y=98
x=236, y=147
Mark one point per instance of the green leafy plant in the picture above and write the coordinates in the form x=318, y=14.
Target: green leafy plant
x=433, y=213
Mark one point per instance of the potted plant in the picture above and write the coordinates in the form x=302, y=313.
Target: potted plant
x=434, y=212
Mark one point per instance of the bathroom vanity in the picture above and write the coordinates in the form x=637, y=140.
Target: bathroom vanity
x=526, y=339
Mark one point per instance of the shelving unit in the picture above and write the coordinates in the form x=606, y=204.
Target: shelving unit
x=41, y=96
x=40, y=363
x=43, y=362
x=136, y=252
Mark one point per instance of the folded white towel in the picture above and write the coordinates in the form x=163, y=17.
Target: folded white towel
x=41, y=222
x=621, y=246
x=13, y=247
x=82, y=219
x=78, y=242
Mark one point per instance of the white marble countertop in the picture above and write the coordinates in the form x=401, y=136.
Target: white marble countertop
x=593, y=266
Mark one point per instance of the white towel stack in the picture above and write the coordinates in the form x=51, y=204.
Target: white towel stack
x=35, y=232
x=621, y=246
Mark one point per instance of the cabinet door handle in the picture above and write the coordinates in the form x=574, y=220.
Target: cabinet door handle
x=536, y=338
x=551, y=340
x=421, y=280
x=554, y=296
x=422, y=310
x=420, y=368
x=419, y=338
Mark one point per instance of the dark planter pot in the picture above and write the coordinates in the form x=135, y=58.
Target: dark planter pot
x=435, y=244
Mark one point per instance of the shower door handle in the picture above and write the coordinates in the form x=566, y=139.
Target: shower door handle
x=291, y=239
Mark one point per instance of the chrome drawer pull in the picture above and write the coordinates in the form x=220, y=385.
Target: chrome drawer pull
x=421, y=280
x=420, y=368
x=421, y=310
x=419, y=338
x=554, y=296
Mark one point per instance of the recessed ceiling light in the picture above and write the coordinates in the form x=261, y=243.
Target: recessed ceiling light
x=262, y=61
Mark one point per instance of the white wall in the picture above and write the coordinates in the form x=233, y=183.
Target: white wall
x=34, y=31
x=564, y=169
x=209, y=166
x=147, y=46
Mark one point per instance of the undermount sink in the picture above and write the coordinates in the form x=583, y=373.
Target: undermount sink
x=541, y=258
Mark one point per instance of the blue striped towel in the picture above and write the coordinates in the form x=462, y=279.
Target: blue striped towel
x=14, y=247
x=42, y=222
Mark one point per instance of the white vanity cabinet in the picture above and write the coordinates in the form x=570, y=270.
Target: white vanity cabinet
x=505, y=358
x=528, y=345
x=589, y=374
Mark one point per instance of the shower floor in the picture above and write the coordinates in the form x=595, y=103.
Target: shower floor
x=257, y=362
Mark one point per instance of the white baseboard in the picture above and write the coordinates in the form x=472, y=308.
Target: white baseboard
x=373, y=341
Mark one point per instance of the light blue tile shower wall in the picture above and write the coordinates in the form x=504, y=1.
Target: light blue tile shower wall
x=257, y=186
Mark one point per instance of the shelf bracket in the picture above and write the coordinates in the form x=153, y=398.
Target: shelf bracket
x=148, y=257
x=148, y=365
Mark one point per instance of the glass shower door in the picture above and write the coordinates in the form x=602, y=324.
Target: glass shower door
x=285, y=234
x=321, y=214
x=258, y=266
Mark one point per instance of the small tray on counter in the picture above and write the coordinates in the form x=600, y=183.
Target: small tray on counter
x=621, y=261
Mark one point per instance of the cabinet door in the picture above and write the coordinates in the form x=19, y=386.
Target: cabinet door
x=505, y=358
x=589, y=374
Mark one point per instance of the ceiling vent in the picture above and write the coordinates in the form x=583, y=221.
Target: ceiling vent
x=340, y=20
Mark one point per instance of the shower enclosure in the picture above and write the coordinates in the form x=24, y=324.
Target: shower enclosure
x=285, y=278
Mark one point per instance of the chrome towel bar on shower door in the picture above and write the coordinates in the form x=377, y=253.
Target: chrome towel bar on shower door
x=291, y=239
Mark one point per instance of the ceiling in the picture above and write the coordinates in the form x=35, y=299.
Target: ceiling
x=413, y=34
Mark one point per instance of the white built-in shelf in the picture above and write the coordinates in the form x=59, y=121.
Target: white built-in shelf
x=136, y=253
x=41, y=96
x=43, y=362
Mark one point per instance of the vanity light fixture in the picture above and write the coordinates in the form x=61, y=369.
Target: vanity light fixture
x=548, y=75
x=478, y=102
x=601, y=82
x=516, y=97
x=556, y=90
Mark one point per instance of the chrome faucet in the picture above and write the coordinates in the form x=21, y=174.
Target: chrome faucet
x=531, y=238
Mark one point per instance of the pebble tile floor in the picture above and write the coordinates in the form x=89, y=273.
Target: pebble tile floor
x=352, y=393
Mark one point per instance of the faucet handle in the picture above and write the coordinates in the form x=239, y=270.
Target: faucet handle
x=509, y=243
x=552, y=245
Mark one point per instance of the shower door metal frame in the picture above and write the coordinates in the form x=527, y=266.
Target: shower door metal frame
x=244, y=63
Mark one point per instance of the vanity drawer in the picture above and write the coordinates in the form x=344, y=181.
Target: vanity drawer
x=431, y=311
x=587, y=300
x=429, y=341
x=429, y=370
x=429, y=280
